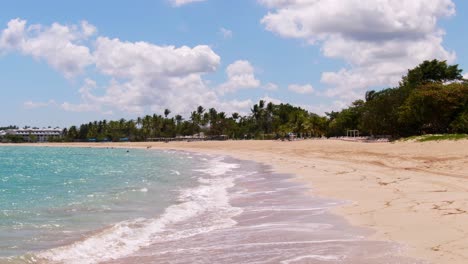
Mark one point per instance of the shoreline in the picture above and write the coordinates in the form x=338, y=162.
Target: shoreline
x=271, y=229
x=411, y=193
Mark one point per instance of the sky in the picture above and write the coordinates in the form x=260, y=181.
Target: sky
x=64, y=63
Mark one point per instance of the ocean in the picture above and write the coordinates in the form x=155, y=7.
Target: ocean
x=109, y=205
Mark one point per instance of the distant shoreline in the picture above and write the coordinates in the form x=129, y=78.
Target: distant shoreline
x=408, y=192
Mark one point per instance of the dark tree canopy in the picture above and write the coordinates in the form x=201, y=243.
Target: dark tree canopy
x=432, y=108
x=432, y=72
x=431, y=98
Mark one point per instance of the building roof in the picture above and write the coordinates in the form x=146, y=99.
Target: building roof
x=35, y=131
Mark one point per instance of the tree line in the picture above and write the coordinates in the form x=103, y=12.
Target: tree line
x=431, y=99
x=266, y=121
x=8, y=127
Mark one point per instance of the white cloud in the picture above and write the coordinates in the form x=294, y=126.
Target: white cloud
x=271, y=87
x=79, y=107
x=301, y=89
x=13, y=36
x=60, y=46
x=465, y=76
x=184, y=2
x=226, y=33
x=241, y=75
x=141, y=76
x=321, y=109
x=234, y=106
x=87, y=104
x=142, y=59
x=34, y=105
x=379, y=40
x=145, y=75
x=88, y=29
x=269, y=99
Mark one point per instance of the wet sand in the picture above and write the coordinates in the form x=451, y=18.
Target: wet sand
x=415, y=194
x=278, y=222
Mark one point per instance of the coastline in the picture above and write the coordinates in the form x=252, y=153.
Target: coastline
x=411, y=193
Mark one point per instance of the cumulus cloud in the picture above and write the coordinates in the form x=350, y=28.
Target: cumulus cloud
x=34, y=105
x=234, y=106
x=13, y=36
x=271, y=87
x=87, y=104
x=269, y=99
x=322, y=109
x=379, y=40
x=79, y=107
x=144, y=75
x=142, y=59
x=465, y=76
x=135, y=77
x=226, y=33
x=88, y=29
x=184, y=2
x=241, y=75
x=301, y=89
x=59, y=45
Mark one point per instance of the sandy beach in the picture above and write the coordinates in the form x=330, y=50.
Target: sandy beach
x=412, y=193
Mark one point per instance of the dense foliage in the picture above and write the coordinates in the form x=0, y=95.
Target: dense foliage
x=266, y=121
x=432, y=98
x=8, y=127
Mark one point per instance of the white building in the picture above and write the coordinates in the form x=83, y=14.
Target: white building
x=35, y=134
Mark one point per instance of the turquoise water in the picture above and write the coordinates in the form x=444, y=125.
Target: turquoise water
x=52, y=196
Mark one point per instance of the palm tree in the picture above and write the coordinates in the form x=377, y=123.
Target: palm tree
x=213, y=114
x=261, y=104
x=200, y=110
x=156, y=125
x=235, y=116
x=139, y=122
x=146, y=126
x=167, y=112
x=269, y=117
x=130, y=129
x=206, y=119
x=178, y=119
x=255, y=111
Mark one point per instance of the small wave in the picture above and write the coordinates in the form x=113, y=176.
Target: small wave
x=209, y=200
x=280, y=209
x=314, y=257
x=217, y=167
x=175, y=172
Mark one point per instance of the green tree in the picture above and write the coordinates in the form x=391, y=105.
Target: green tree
x=166, y=112
x=460, y=124
x=72, y=134
x=431, y=72
x=431, y=108
x=380, y=113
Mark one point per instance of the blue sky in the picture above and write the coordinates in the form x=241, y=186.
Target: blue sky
x=66, y=62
